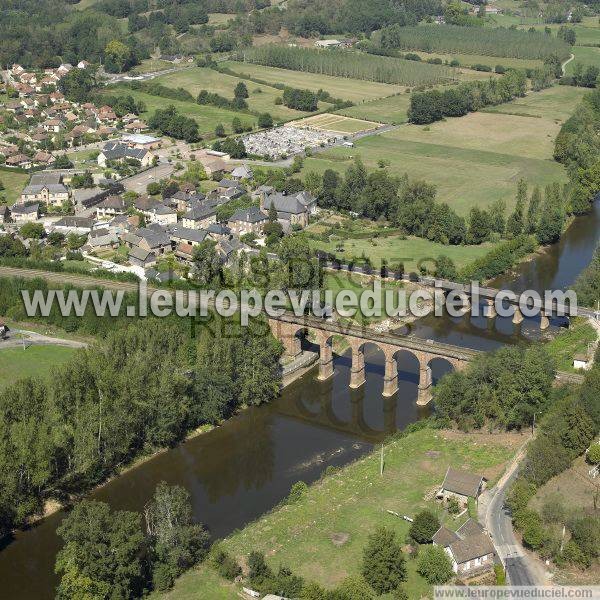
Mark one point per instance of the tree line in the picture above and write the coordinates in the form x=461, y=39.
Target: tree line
x=433, y=105
x=142, y=387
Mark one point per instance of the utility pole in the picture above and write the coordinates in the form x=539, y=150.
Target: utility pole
x=381, y=464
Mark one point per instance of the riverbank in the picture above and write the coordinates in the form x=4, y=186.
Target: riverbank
x=321, y=536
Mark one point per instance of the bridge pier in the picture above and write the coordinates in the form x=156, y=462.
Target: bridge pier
x=489, y=309
x=325, y=359
x=425, y=382
x=292, y=345
x=390, y=379
x=517, y=316
x=357, y=371
x=544, y=321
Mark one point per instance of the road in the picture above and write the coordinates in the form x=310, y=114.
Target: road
x=520, y=568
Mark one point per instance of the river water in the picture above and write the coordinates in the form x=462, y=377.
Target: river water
x=239, y=471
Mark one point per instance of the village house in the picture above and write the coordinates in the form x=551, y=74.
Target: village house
x=470, y=548
x=44, y=159
x=117, y=151
x=190, y=237
x=22, y=213
x=102, y=239
x=110, y=207
x=185, y=200
x=139, y=257
x=242, y=172
x=71, y=224
x=88, y=197
x=247, y=220
x=202, y=215
x=461, y=485
x=291, y=211
x=162, y=215
x=20, y=161
x=46, y=188
x=154, y=240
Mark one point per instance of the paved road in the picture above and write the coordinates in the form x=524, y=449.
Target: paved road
x=520, y=568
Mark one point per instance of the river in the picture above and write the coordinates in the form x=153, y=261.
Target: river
x=239, y=471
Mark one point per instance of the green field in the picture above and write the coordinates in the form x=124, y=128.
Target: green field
x=556, y=103
x=385, y=110
x=587, y=56
x=354, y=501
x=196, y=79
x=152, y=64
x=355, y=90
x=218, y=19
x=35, y=361
x=14, y=183
x=208, y=117
x=395, y=249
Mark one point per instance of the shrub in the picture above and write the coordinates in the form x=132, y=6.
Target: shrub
x=593, y=454
x=298, y=490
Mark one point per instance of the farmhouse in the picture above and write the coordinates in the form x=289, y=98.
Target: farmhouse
x=470, y=548
x=290, y=211
x=461, y=485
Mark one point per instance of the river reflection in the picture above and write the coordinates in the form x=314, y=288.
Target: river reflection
x=239, y=471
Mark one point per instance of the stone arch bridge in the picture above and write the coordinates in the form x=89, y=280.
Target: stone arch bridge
x=290, y=329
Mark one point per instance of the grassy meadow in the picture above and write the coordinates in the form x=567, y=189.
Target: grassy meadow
x=34, y=361
x=467, y=60
x=197, y=78
x=473, y=160
x=355, y=90
x=585, y=55
x=354, y=501
x=392, y=109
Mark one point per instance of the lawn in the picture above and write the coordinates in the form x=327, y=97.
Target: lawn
x=570, y=342
x=151, y=65
x=392, y=109
x=196, y=79
x=218, y=19
x=396, y=249
x=354, y=502
x=473, y=160
x=208, y=117
x=336, y=123
x=14, y=183
x=355, y=90
x=16, y=363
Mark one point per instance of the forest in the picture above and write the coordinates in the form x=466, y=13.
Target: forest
x=510, y=43
x=348, y=64
x=142, y=386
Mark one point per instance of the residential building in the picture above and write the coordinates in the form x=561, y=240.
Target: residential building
x=247, y=220
x=470, y=548
x=290, y=211
x=21, y=213
x=110, y=207
x=71, y=224
x=118, y=151
x=46, y=188
x=191, y=237
x=140, y=257
x=242, y=172
x=163, y=215
x=88, y=197
x=102, y=239
x=141, y=141
x=20, y=161
x=202, y=215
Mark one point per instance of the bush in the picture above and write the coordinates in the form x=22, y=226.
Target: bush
x=500, y=69
x=593, y=454
x=500, y=575
x=298, y=490
x=226, y=565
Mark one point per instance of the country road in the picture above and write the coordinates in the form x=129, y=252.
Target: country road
x=520, y=568
x=32, y=338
